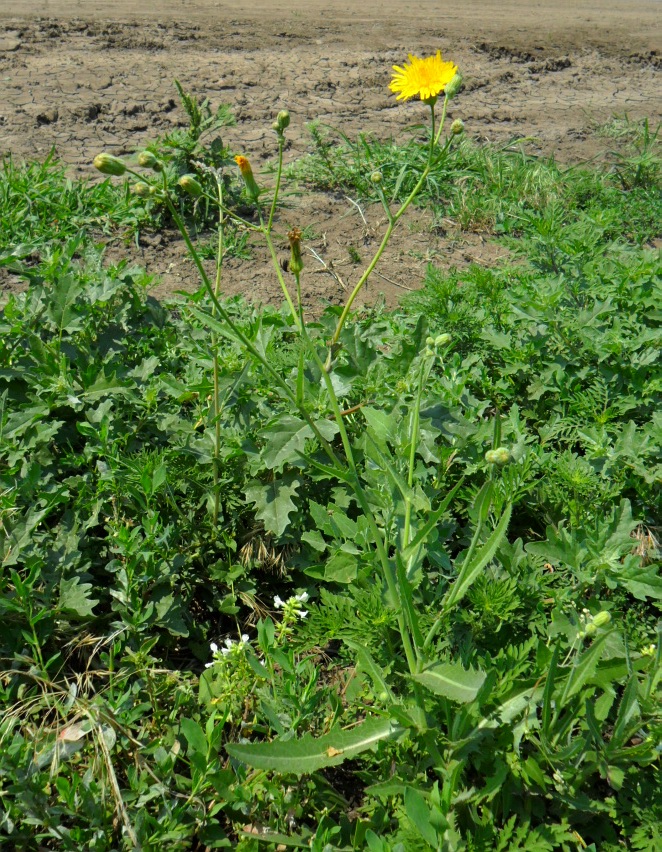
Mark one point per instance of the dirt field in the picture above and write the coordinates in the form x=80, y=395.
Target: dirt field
x=84, y=76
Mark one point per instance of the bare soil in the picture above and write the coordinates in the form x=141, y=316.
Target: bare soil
x=82, y=76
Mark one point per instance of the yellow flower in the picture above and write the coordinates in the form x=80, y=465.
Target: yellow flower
x=423, y=77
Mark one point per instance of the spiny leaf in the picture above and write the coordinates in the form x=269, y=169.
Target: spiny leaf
x=273, y=503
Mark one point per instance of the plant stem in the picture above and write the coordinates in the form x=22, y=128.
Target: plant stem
x=393, y=220
x=214, y=344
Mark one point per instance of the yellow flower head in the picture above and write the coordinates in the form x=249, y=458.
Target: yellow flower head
x=423, y=77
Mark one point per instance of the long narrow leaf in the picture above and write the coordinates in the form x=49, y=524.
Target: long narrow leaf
x=309, y=754
x=471, y=569
x=369, y=666
x=431, y=522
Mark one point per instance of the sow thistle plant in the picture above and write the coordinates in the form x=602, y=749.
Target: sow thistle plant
x=438, y=708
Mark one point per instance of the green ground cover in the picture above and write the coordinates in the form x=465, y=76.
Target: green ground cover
x=426, y=560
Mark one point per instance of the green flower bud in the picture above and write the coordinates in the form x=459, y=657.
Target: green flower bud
x=109, y=165
x=429, y=341
x=453, y=87
x=190, y=185
x=283, y=119
x=589, y=630
x=141, y=189
x=376, y=178
x=149, y=161
x=602, y=619
x=457, y=127
x=442, y=339
x=500, y=456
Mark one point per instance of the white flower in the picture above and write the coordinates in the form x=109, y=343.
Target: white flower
x=278, y=602
x=214, y=647
x=303, y=613
x=245, y=638
x=303, y=597
x=209, y=665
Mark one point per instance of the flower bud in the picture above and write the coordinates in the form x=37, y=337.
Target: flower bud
x=442, y=339
x=500, y=456
x=457, y=127
x=141, y=189
x=190, y=185
x=283, y=120
x=247, y=175
x=453, y=87
x=602, y=619
x=296, y=261
x=589, y=630
x=376, y=178
x=149, y=161
x=107, y=164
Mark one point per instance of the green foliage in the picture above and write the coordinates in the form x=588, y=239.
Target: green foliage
x=421, y=646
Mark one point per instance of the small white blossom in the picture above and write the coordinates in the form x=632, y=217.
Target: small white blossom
x=279, y=602
x=214, y=647
x=303, y=597
x=303, y=614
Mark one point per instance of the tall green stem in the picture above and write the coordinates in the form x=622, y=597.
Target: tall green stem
x=214, y=344
x=393, y=220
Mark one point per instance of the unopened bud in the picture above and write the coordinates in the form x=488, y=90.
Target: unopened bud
x=376, y=178
x=602, y=619
x=247, y=175
x=589, y=630
x=442, y=339
x=453, y=87
x=457, y=127
x=141, y=189
x=500, y=456
x=190, y=185
x=107, y=164
x=150, y=161
x=283, y=120
x=296, y=261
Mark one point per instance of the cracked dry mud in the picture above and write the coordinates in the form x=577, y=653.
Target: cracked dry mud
x=82, y=76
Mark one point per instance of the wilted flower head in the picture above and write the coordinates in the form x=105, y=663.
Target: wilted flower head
x=247, y=175
x=425, y=78
x=296, y=261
